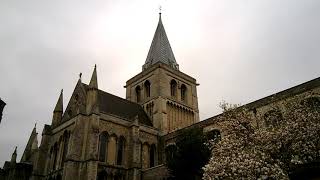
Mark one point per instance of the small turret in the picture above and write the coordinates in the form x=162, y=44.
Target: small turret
x=92, y=95
x=58, y=110
x=14, y=156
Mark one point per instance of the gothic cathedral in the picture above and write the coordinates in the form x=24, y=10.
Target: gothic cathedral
x=100, y=136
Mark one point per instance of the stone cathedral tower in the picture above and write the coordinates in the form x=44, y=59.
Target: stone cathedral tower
x=168, y=95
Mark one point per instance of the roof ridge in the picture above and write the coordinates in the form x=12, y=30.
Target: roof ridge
x=123, y=99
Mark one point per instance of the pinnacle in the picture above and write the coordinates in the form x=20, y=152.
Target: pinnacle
x=94, y=81
x=59, y=105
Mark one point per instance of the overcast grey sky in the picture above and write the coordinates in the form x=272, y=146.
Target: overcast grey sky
x=238, y=50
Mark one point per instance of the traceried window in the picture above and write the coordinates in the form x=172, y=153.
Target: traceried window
x=103, y=146
x=170, y=151
x=66, y=137
x=121, y=150
x=55, y=158
x=183, y=92
x=138, y=93
x=173, y=88
x=152, y=155
x=147, y=88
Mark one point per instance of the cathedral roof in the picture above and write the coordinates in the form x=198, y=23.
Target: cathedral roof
x=120, y=107
x=160, y=49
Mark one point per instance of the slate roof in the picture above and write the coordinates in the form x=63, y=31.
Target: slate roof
x=111, y=104
x=160, y=49
x=306, y=86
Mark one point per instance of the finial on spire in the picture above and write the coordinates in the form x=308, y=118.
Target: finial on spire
x=160, y=9
x=80, y=75
x=35, y=125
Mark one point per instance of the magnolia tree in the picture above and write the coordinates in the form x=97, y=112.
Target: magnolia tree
x=268, y=152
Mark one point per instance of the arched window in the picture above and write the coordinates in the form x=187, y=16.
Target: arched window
x=173, y=88
x=103, y=146
x=121, y=150
x=170, y=151
x=272, y=118
x=149, y=108
x=183, y=92
x=152, y=155
x=55, y=154
x=51, y=159
x=214, y=135
x=138, y=93
x=112, y=149
x=66, y=137
x=145, y=155
x=147, y=88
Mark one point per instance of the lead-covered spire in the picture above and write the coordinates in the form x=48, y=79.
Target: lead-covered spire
x=160, y=49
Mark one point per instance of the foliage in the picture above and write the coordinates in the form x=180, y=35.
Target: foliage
x=267, y=152
x=190, y=154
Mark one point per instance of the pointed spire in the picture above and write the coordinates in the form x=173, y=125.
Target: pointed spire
x=58, y=110
x=59, y=105
x=14, y=156
x=30, y=145
x=35, y=142
x=160, y=49
x=80, y=76
x=34, y=138
x=92, y=94
x=34, y=130
x=94, y=81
